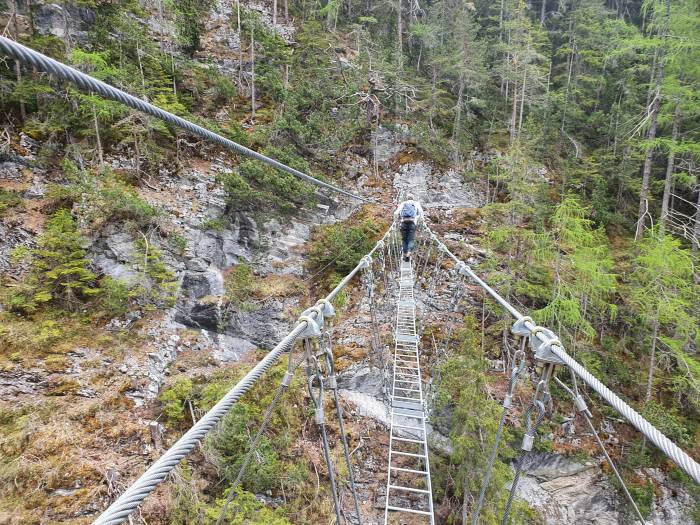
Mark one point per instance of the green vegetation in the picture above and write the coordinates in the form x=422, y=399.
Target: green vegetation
x=276, y=466
x=8, y=199
x=105, y=198
x=588, y=112
x=337, y=248
x=59, y=269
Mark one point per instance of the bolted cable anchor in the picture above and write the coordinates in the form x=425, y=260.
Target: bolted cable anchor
x=366, y=261
x=543, y=351
x=463, y=269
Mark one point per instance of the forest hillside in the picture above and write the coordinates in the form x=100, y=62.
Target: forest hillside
x=554, y=145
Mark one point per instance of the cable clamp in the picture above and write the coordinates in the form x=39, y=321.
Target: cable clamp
x=332, y=382
x=581, y=405
x=462, y=268
x=543, y=351
x=287, y=379
x=366, y=262
x=313, y=328
x=519, y=327
x=528, y=442
x=507, y=401
x=320, y=415
x=328, y=311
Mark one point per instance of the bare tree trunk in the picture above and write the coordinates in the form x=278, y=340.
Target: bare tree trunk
x=652, y=361
x=646, y=170
x=274, y=15
x=522, y=100
x=252, y=72
x=240, y=42
x=458, y=109
x=18, y=68
x=514, y=113
x=568, y=78
x=97, y=135
x=143, y=78
x=66, y=32
x=696, y=227
x=669, y=169
x=399, y=37
x=543, y=12
x=651, y=135
x=286, y=11
x=500, y=22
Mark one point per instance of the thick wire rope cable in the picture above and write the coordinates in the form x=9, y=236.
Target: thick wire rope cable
x=281, y=389
x=130, y=499
x=120, y=509
x=530, y=433
x=582, y=409
x=87, y=83
x=668, y=447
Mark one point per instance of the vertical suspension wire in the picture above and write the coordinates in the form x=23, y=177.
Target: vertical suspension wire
x=540, y=399
x=582, y=408
x=332, y=381
x=315, y=383
x=292, y=366
x=517, y=370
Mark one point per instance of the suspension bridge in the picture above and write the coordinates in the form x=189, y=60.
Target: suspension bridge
x=381, y=274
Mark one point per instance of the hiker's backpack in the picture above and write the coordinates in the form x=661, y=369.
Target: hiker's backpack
x=408, y=211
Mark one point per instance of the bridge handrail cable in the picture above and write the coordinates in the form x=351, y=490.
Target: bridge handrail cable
x=41, y=62
x=668, y=447
x=130, y=499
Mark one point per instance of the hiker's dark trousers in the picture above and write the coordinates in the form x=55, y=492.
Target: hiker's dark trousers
x=408, y=235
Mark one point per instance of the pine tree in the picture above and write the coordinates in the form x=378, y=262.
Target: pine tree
x=60, y=271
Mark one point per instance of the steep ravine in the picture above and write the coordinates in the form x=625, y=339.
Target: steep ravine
x=113, y=389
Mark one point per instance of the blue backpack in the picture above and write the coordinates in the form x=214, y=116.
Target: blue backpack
x=409, y=211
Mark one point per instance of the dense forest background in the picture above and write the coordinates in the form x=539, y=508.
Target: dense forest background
x=579, y=121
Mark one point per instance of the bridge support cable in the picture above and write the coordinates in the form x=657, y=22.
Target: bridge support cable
x=292, y=367
x=408, y=468
x=90, y=84
x=582, y=408
x=548, y=348
x=540, y=400
x=332, y=382
x=130, y=499
x=516, y=372
x=316, y=385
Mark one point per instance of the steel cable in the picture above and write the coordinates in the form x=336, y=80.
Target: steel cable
x=87, y=83
x=313, y=375
x=582, y=409
x=668, y=447
x=518, y=368
x=125, y=504
x=120, y=509
x=281, y=389
x=333, y=385
x=540, y=398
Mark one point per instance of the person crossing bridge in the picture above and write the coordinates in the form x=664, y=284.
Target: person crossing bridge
x=409, y=212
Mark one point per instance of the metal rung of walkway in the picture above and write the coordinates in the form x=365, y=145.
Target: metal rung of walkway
x=408, y=484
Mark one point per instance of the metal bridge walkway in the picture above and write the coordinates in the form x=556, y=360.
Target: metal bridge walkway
x=408, y=487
